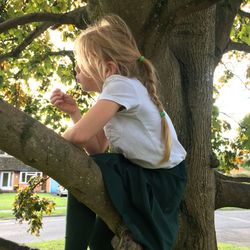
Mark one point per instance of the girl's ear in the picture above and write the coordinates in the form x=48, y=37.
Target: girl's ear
x=111, y=68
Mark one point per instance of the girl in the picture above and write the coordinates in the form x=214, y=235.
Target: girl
x=145, y=173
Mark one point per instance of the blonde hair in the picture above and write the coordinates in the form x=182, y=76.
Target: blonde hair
x=110, y=39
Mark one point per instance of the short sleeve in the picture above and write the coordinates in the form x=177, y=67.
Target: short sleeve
x=120, y=90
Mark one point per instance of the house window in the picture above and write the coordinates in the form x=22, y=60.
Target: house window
x=5, y=180
x=26, y=176
x=23, y=177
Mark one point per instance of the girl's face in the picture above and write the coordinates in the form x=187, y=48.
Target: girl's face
x=87, y=83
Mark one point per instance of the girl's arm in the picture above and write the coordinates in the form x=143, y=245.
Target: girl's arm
x=67, y=104
x=97, y=144
x=88, y=130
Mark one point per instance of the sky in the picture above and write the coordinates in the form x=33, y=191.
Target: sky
x=234, y=97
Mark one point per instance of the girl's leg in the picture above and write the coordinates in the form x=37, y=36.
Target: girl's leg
x=80, y=223
x=102, y=236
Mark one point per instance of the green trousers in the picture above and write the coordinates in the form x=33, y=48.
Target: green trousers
x=84, y=229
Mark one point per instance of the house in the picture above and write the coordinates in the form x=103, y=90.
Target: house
x=15, y=174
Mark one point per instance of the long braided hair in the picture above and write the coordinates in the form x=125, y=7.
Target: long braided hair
x=110, y=39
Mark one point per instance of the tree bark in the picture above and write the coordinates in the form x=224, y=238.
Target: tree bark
x=185, y=60
x=192, y=43
x=10, y=245
x=232, y=178
x=230, y=193
x=225, y=14
x=37, y=146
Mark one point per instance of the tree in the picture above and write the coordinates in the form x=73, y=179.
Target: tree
x=244, y=142
x=186, y=40
x=244, y=132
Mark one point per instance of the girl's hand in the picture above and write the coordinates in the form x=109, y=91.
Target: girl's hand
x=64, y=102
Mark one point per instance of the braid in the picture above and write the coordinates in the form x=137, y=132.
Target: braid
x=150, y=84
x=110, y=39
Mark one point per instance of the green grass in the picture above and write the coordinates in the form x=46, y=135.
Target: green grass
x=6, y=215
x=247, y=168
x=9, y=214
x=48, y=245
x=59, y=245
x=223, y=246
x=7, y=199
x=230, y=208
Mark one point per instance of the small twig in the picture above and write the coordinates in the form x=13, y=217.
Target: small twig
x=223, y=113
x=244, y=14
x=237, y=76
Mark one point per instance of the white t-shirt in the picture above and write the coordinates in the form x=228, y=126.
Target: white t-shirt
x=135, y=131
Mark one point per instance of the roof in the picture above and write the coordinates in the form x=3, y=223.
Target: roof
x=9, y=163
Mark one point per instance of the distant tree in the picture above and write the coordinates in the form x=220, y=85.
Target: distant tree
x=244, y=132
x=224, y=149
x=243, y=140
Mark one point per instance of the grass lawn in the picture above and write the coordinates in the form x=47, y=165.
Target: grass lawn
x=48, y=245
x=223, y=246
x=9, y=214
x=7, y=199
x=59, y=245
x=230, y=209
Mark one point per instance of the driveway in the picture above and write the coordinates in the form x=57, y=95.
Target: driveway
x=53, y=229
x=232, y=227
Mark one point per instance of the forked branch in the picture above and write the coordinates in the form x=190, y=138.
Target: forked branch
x=238, y=46
x=28, y=40
x=76, y=17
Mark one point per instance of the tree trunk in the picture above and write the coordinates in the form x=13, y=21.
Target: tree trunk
x=192, y=43
x=183, y=50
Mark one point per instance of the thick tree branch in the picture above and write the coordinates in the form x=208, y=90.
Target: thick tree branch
x=10, y=245
x=77, y=17
x=166, y=20
x=243, y=13
x=175, y=16
x=191, y=8
x=225, y=14
x=28, y=40
x=231, y=193
x=40, y=147
x=35, y=17
x=237, y=46
x=234, y=179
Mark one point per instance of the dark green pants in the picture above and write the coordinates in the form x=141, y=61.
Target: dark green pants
x=84, y=228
